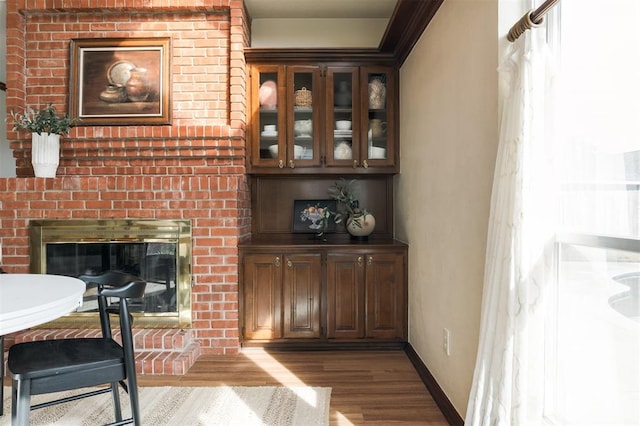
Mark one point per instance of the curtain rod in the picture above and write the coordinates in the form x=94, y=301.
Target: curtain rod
x=531, y=19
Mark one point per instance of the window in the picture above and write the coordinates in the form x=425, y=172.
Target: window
x=593, y=340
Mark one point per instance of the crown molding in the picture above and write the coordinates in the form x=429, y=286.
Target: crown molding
x=409, y=20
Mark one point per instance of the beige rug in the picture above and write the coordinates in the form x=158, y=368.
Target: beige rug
x=261, y=405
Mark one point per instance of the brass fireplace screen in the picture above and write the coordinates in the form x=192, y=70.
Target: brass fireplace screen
x=158, y=251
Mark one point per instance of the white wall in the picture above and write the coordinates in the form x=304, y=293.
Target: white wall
x=448, y=142
x=336, y=33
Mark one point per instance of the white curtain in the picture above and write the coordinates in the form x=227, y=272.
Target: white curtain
x=508, y=379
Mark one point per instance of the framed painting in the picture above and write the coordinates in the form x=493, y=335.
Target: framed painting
x=308, y=216
x=120, y=81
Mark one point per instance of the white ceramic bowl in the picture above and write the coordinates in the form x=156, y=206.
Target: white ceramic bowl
x=377, y=152
x=343, y=125
x=303, y=127
x=298, y=151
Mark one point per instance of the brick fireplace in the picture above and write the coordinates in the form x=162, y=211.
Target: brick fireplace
x=192, y=169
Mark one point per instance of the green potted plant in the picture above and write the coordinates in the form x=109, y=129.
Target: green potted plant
x=46, y=126
x=359, y=222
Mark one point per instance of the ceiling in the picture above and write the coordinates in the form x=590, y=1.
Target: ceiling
x=322, y=9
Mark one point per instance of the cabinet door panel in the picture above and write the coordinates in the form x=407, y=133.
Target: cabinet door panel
x=305, y=118
x=379, y=135
x=385, y=295
x=302, y=278
x=268, y=116
x=262, y=296
x=345, y=296
x=342, y=117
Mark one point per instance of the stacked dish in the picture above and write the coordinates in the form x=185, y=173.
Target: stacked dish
x=342, y=133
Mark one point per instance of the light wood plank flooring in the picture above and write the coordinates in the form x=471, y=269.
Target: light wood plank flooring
x=368, y=387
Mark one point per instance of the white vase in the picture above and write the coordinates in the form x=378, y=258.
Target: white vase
x=362, y=226
x=45, y=154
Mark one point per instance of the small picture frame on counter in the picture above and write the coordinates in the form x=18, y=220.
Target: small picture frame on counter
x=311, y=216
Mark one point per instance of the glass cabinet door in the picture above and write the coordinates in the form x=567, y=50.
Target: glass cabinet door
x=322, y=118
x=303, y=128
x=378, y=122
x=342, y=113
x=269, y=116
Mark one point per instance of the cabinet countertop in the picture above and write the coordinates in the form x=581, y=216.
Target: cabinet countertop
x=331, y=241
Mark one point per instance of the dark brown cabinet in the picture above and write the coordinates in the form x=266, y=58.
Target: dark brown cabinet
x=281, y=296
x=301, y=296
x=365, y=295
x=262, y=296
x=330, y=295
x=372, y=143
x=316, y=115
x=285, y=117
x=322, y=118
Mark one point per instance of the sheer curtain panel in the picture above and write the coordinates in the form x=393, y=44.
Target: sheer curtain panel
x=508, y=379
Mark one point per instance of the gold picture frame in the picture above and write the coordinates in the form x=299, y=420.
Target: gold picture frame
x=120, y=81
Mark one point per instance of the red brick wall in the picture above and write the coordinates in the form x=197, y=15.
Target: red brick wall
x=192, y=169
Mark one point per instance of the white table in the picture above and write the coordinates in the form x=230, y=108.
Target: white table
x=27, y=300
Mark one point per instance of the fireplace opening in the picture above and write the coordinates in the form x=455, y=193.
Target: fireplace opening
x=158, y=251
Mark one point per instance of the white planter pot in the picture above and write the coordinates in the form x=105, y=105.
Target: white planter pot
x=45, y=154
x=361, y=227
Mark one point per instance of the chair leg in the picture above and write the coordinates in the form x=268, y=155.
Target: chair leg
x=20, y=402
x=132, y=386
x=116, y=401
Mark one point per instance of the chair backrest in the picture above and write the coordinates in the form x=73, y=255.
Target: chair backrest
x=116, y=284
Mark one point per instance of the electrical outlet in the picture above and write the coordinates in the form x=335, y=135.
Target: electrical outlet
x=446, y=341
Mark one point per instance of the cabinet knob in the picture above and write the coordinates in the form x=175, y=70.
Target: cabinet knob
x=281, y=164
x=355, y=164
x=365, y=164
x=369, y=260
x=291, y=164
x=277, y=261
x=360, y=259
x=289, y=264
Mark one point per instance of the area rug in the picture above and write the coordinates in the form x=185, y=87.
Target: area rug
x=260, y=405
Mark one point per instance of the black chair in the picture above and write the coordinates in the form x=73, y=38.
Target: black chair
x=58, y=365
x=2, y=367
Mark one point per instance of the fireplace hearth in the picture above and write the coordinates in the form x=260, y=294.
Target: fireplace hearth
x=158, y=251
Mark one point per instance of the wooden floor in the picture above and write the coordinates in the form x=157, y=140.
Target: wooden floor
x=368, y=387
